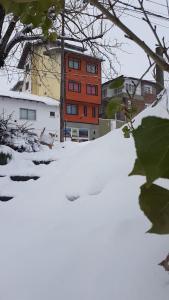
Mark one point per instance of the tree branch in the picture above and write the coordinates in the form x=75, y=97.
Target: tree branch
x=158, y=60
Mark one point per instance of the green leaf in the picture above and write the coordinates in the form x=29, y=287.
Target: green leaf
x=33, y=12
x=152, y=146
x=137, y=169
x=154, y=202
x=113, y=107
x=126, y=131
x=52, y=36
x=117, y=83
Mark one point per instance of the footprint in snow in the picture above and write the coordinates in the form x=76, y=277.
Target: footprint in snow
x=72, y=197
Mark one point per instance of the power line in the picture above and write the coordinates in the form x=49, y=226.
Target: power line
x=161, y=25
x=135, y=9
x=163, y=5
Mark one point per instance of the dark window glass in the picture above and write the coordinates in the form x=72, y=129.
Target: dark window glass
x=85, y=110
x=72, y=109
x=94, y=112
x=91, y=68
x=52, y=114
x=74, y=86
x=92, y=89
x=27, y=68
x=83, y=132
x=27, y=85
x=27, y=114
x=74, y=63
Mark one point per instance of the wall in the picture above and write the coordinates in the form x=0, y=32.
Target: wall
x=93, y=130
x=84, y=78
x=43, y=119
x=45, y=72
x=80, y=116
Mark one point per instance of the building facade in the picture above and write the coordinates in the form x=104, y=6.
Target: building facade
x=144, y=95
x=34, y=111
x=82, y=84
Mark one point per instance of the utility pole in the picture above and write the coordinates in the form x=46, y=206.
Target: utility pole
x=62, y=84
x=159, y=73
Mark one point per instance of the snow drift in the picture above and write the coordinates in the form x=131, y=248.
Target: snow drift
x=78, y=231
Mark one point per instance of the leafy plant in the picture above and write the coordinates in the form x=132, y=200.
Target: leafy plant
x=152, y=147
x=35, y=12
x=114, y=106
x=117, y=83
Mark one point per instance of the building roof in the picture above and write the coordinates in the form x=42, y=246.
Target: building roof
x=51, y=48
x=29, y=97
x=128, y=77
x=51, y=45
x=54, y=50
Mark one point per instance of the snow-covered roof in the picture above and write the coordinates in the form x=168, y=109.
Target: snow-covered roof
x=30, y=97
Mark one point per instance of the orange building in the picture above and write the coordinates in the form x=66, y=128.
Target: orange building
x=82, y=95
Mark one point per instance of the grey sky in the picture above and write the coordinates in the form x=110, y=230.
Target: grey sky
x=133, y=62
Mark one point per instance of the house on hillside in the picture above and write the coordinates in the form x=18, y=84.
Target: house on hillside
x=35, y=111
x=42, y=65
x=145, y=95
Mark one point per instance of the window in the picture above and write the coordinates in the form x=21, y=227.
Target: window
x=104, y=93
x=74, y=63
x=67, y=132
x=130, y=88
x=94, y=112
x=52, y=114
x=72, y=109
x=92, y=89
x=117, y=91
x=27, y=114
x=91, y=68
x=148, y=89
x=85, y=110
x=83, y=133
x=27, y=68
x=75, y=132
x=27, y=85
x=74, y=86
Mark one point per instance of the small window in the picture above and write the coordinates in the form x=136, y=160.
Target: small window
x=92, y=90
x=74, y=63
x=74, y=86
x=72, y=109
x=27, y=85
x=27, y=114
x=92, y=68
x=94, y=112
x=85, y=110
x=52, y=114
x=27, y=68
x=130, y=88
x=104, y=93
x=83, y=133
x=148, y=89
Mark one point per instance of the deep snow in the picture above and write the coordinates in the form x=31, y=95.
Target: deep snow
x=93, y=248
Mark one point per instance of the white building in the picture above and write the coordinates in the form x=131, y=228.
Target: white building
x=38, y=112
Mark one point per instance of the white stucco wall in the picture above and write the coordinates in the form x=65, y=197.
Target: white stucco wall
x=43, y=119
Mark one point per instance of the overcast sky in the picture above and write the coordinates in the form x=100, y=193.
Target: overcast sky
x=133, y=62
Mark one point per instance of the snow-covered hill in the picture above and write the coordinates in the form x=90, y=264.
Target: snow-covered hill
x=92, y=248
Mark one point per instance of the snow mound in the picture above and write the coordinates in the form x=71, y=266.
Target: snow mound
x=92, y=248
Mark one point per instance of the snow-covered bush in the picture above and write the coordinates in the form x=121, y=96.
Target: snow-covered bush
x=19, y=137
x=5, y=158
